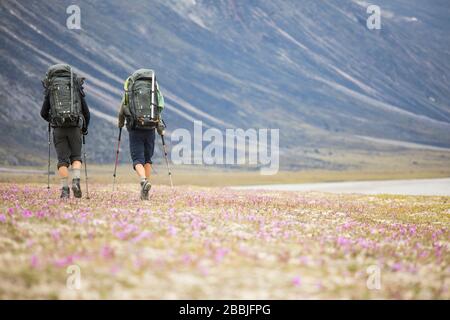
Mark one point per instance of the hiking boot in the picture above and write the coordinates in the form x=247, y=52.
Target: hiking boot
x=65, y=193
x=76, y=188
x=145, y=188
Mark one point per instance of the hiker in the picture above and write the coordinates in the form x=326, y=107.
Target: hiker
x=66, y=111
x=141, y=106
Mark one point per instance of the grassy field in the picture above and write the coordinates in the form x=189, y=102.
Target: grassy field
x=198, y=242
x=214, y=177
x=350, y=165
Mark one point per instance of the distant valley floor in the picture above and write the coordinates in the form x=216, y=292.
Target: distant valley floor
x=425, y=187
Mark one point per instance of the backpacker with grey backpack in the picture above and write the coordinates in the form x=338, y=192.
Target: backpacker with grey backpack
x=64, y=90
x=142, y=99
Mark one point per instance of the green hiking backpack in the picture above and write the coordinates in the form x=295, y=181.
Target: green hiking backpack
x=64, y=89
x=142, y=99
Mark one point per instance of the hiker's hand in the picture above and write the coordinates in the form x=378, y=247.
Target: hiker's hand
x=84, y=131
x=160, y=128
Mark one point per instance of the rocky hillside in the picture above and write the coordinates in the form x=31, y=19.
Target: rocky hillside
x=310, y=68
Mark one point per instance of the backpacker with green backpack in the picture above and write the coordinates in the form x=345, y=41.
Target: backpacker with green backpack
x=143, y=99
x=64, y=89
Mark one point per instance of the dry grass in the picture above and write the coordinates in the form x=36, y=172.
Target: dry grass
x=214, y=177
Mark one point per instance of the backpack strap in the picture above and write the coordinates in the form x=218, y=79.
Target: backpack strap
x=153, y=95
x=71, y=90
x=126, y=86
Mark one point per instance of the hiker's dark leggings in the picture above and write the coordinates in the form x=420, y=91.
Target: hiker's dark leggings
x=142, y=145
x=67, y=145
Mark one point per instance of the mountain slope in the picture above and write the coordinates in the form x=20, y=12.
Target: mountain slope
x=310, y=68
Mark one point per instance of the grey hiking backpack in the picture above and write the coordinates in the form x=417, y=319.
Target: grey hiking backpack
x=64, y=90
x=140, y=96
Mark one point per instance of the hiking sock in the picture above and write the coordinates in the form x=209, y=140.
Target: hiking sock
x=65, y=182
x=143, y=180
x=76, y=173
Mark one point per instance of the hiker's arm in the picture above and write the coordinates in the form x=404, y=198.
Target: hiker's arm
x=86, y=113
x=45, y=110
x=160, y=99
x=160, y=127
x=121, y=117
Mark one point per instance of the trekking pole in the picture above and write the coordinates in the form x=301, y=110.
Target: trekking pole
x=167, y=161
x=85, y=168
x=117, y=157
x=48, y=168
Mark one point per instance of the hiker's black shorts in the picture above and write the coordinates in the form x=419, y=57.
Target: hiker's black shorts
x=142, y=145
x=68, y=145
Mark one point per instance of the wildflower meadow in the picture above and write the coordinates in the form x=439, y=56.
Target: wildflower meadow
x=219, y=243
